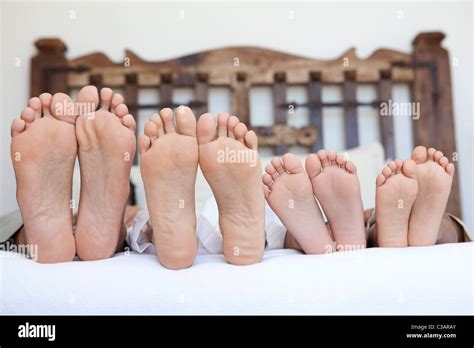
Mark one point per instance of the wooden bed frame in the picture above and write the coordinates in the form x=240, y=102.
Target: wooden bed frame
x=426, y=69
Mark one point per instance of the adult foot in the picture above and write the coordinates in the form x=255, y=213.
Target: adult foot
x=396, y=191
x=435, y=176
x=336, y=186
x=106, y=140
x=43, y=151
x=289, y=193
x=168, y=164
x=229, y=161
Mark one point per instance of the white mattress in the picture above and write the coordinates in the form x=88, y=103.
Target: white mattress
x=428, y=280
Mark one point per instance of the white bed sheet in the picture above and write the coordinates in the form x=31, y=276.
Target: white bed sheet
x=427, y=280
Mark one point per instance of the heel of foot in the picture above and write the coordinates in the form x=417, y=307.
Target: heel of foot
x=48, y=254
x=238, y=258
x=177, y=260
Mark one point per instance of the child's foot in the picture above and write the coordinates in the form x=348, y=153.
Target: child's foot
x=395, y=194
x=435, y=176
x=336, y=186
x=288, y=192
x=106, y=140
x=231, y=165
x=168, y=165
x=43, y=151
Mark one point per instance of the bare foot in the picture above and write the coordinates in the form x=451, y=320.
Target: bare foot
x=43, y=151
x=106, y=140
x=336, y=186
x=231, y=165
x=435, y=176
x=395, y=194
x=289, y=193
x=168, y=164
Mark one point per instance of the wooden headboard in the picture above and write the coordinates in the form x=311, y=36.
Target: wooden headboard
x=426, y=69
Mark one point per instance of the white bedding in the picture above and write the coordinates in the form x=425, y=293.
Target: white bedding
x=427, y=280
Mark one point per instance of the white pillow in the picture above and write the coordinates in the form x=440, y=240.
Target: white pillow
x=369, y=160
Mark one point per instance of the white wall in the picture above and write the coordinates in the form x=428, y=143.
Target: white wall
x=157, y=31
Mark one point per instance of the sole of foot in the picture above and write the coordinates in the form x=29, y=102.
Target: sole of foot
x=336, y=186
x=43, y=151
x=289, y=193
x=435, y=177
x=229, y=161
x=168, y=164
x=106, y=147
x=396, y=192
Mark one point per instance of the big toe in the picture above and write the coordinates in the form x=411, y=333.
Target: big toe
x=206, y=128
x=292, y=164
x=62, y=108
x=186, y=121
x=409, y=168
x=420, y=154
x=313, y=165
x=87, y=100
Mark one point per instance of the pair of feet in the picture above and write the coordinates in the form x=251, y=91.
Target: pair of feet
x=411, y=199
x=171, y=148
x=291, y=192
x=52, y=131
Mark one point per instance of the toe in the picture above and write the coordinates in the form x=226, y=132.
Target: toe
x=399, y=164
x=63, y=108
x=450, y=169
x=380, y=179
x=35, y=104
x=28, y=115
x=350, y=167
x=17, y=127
x=239, y=131
x=167, y=118
x=387, y=172
x=151, y=130
x=313, y=165
x=270, y=169
x=409, y=169
x=144, y=143
x=278, y=165
x=393, y=166
x=292, y=164
x=106, y=98
x=267, y=180
x=121, y=110
x=437, y=156
x=186, y=121
x=233, y=121
x=420, y=154
x=222, y=120
x=129, y=122
x=155, y=118
x=46, y=103
x=332, y=155
x=117, y=99
x=431, y=152
x=340, y=160
x=251, y=140
x=323, y=157
x=206, y=128
x=87, y=100
x=443, y=161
